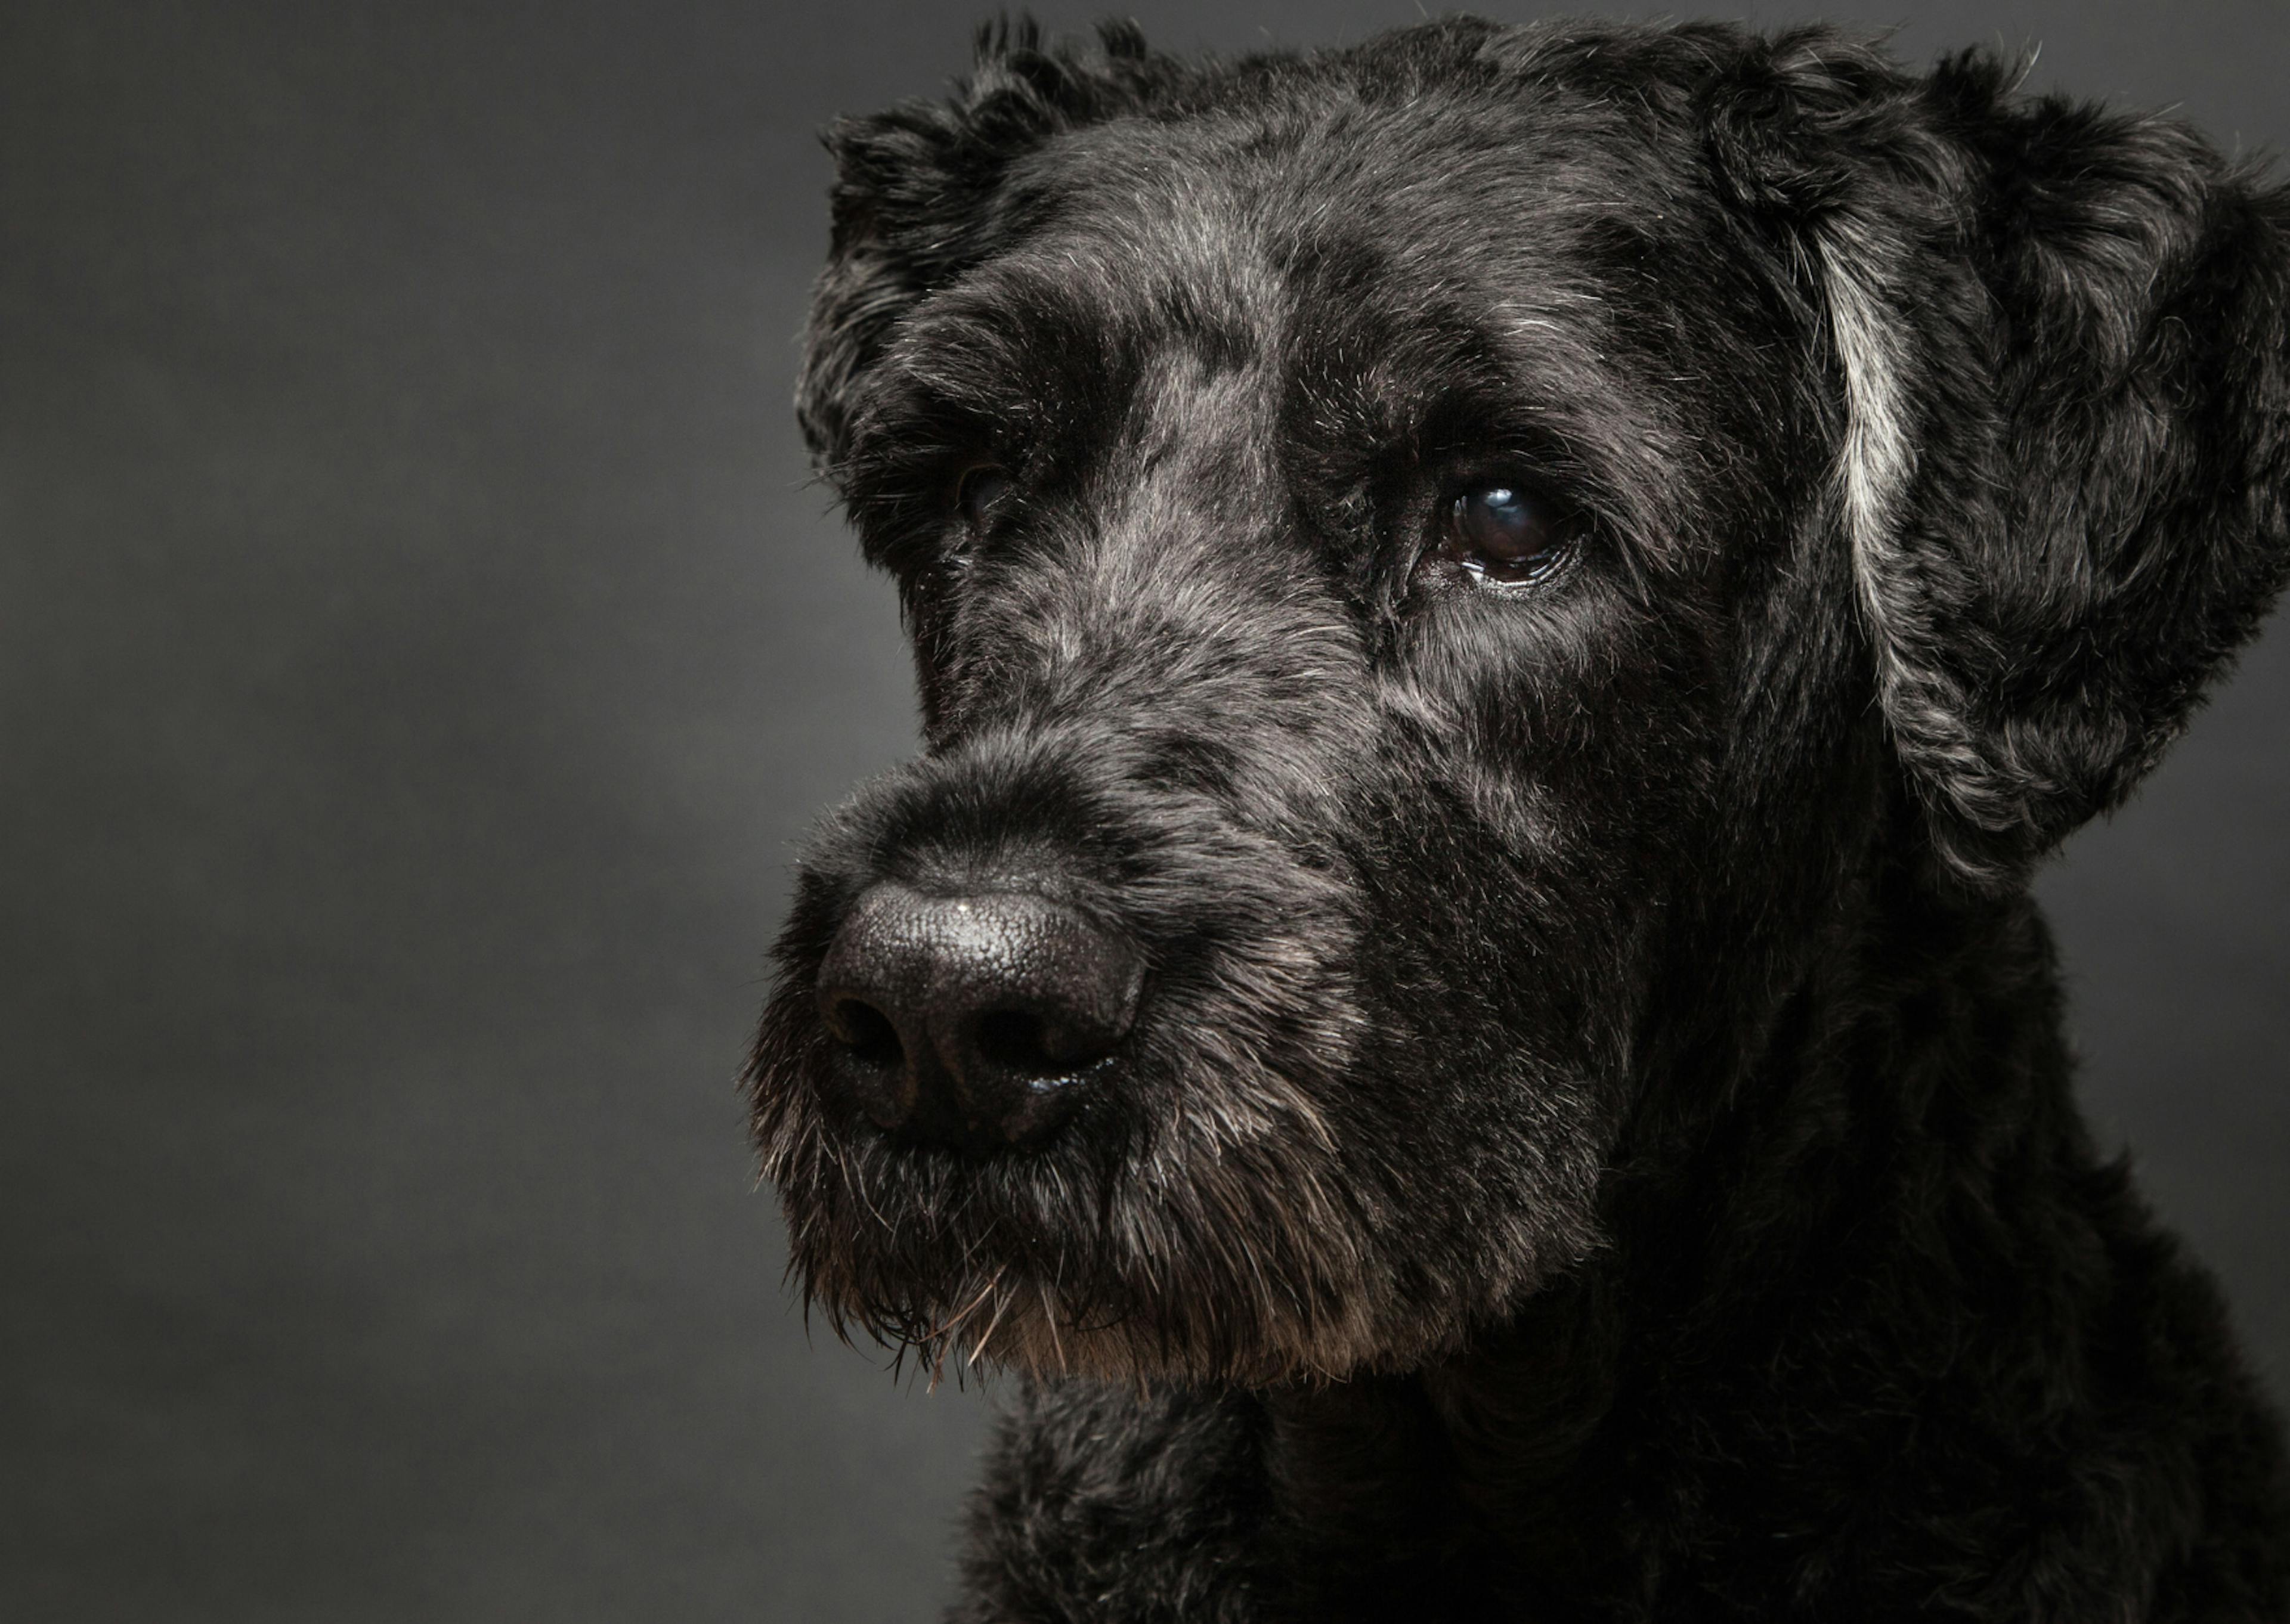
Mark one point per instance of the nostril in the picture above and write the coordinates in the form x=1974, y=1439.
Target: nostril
x=867, y=1033
x=960, y=1020
x=1018, y=1041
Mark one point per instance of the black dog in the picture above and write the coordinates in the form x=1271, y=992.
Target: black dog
x=1502, y=616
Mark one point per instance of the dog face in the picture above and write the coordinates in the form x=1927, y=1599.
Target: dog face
x=1445, y=578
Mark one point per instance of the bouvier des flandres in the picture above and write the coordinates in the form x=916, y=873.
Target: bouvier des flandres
x=1502, y=617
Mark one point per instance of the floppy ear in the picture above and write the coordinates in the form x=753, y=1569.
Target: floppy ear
x=2059, y=346
x=915, y=199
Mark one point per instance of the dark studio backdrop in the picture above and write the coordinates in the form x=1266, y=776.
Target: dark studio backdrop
x=418, y=647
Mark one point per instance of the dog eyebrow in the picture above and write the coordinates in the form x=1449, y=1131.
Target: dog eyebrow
x=990, y=364
x=1056, y=333
x=1051, y=334
x=977, y=348
x=1499, y=385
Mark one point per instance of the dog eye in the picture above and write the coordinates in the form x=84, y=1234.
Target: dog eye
x=1503, y=533
x=978, y=492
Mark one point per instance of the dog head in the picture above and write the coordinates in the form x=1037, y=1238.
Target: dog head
x=1442, y=574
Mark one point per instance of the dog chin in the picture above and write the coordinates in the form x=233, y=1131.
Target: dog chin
x=1139, y=1351
x=1010, y=1321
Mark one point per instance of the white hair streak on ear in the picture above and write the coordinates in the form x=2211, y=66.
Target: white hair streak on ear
x=1879, y=453
x=1876, y=468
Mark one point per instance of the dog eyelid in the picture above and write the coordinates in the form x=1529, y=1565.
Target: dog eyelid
x=980, y=491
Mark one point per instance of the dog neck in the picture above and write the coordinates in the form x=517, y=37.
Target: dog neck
x=1795, y=1223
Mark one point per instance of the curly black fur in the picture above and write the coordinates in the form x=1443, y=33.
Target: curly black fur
x=1597, y=1143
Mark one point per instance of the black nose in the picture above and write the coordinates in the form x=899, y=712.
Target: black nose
x=971, y=1021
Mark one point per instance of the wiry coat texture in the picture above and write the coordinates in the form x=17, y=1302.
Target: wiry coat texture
x=1597, y=1140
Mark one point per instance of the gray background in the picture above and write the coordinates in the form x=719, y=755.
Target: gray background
x=418, y=649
